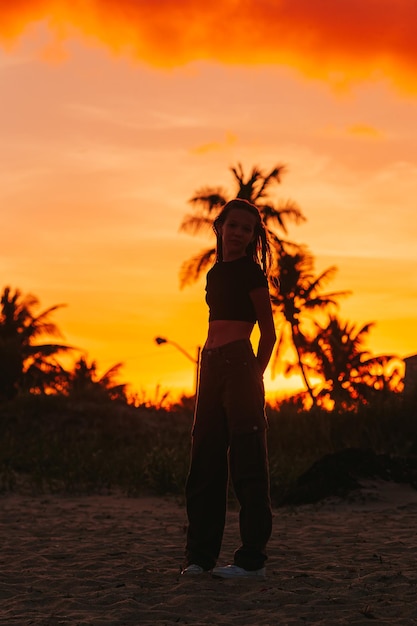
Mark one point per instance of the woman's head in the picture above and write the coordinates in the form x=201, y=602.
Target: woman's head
x=257, y=247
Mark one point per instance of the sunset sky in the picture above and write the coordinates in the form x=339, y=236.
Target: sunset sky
x=114, y=112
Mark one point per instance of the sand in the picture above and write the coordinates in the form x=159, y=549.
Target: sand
x=116, y=560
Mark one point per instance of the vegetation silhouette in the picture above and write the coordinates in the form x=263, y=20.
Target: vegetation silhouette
x=52, y=443
x=84, y=382
x=25, y=364
x=351, y=376
x=295, y=296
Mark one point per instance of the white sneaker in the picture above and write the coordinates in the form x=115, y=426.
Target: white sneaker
x=192, y=570
x=234, y=571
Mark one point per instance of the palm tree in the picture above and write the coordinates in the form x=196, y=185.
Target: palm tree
x=85, y=382
x=24, y=363
x=207, y=204
x=296, y=296
x=351, y=376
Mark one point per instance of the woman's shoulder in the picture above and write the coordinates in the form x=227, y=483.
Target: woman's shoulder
x=255, y=275
x=242, y=265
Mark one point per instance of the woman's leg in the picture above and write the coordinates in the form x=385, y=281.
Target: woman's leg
x=206, y=496
x=250, y=476
x=245, y=406
x=206, y=487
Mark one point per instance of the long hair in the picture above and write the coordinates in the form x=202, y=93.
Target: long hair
x=258, y=250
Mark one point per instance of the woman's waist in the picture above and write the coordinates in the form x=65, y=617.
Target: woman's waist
x=222, y=332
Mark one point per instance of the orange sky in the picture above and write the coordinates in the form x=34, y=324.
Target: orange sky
x=336, y=42
x=113, y=113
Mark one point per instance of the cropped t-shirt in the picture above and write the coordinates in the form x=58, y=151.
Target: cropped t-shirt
x=228, y=286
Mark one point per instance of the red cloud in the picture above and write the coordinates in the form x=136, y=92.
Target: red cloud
x=339, y=42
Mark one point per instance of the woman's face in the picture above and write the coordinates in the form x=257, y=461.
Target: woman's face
x=237, y=232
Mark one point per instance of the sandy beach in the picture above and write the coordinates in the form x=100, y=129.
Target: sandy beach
x=112, y=560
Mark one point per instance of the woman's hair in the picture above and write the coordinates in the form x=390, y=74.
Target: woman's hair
x=258, y=249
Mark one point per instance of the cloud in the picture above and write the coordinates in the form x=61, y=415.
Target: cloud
x=216, y=146
x=340, y=42
x=364, y=130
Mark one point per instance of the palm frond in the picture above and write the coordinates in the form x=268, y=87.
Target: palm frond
x=108, y=377
x=210, y=198
x=323, y=301
x=194, y=224
x=45, y=350
x=192, y=269
x=273, y=176
x=277, y=216
x=325, y=276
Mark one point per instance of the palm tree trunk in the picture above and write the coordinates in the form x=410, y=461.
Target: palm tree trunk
x=295, y=331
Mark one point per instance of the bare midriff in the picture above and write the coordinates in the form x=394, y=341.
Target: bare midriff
x=221, y=332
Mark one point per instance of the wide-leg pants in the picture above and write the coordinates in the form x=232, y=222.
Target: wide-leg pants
x=229, y=436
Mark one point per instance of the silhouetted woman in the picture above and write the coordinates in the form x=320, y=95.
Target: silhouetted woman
x=229, y=430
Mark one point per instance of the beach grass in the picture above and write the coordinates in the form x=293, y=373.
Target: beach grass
x=54, y=444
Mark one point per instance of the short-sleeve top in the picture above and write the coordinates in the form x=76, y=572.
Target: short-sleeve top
x=228, y=286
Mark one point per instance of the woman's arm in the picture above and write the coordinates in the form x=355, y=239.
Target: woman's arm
x=262, y=303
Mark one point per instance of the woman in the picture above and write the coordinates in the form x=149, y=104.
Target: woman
x=229, y=430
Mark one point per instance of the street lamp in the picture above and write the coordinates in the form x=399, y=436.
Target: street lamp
x=196, y=360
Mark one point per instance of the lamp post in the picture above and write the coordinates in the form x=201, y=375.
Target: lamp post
x=196, y=360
